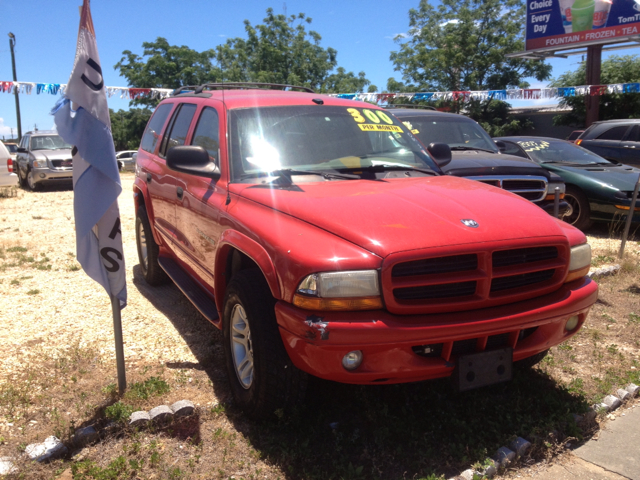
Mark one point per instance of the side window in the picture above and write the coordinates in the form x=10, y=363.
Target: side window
x=176, y=134
x=25, y=141
x=615, y=133
x=634, y=135
x=152, y=132
x=513, y=149
x=206, y=134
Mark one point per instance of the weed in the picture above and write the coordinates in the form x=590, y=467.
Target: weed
x=37, y=217
x=15, y=282
x=74, y=268
x=634, y=318
x=16, y=249
x=600, y=259
x=34, y=291
x=118, y=412
x=150, y=387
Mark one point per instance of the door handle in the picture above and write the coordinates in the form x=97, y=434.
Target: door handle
x=179, y=192
x=148, y=178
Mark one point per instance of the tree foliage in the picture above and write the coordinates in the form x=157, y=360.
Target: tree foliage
x=128, y=126
x=461, y=45
x=615, y=69
x=280, y=50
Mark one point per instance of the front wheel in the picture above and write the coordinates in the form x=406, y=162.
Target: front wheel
x=148, y=250
x=579, y=211
x=261, y=375
x=31, y=181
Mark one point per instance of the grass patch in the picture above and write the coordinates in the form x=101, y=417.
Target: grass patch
x=150, y=387
x=119, y=412
x=16, y=249
x=34, y=291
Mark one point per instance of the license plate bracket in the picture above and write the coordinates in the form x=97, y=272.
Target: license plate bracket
x=485, y=368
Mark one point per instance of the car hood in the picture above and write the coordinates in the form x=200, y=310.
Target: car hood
x=389, y=216
x=621, y=177
x=475, y=162
x=52, y=154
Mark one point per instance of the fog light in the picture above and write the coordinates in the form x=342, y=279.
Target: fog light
x=572, y=323
x=352, y=360
x=42, y=175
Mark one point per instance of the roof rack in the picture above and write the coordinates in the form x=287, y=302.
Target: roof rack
x=412, y=105
x=239, y=85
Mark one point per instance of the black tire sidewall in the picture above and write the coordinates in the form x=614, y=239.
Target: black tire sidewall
x=583, y=221
x=153, y=273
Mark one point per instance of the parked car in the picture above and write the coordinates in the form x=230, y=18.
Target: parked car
x=13, y=150
x=322, y=238
x=616, y=140
x=44, y=158
x=7, y=176
x=125, y=160
x=476, y=156
x=573, y=136
x=597, y=190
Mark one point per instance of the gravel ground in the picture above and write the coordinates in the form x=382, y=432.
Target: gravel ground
x=69, y=306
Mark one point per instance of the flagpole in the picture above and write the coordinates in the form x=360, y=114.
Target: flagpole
x=117, y=333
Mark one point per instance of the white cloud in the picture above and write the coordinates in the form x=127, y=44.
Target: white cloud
x=5, y=131
x=454, y=21
x=221, y=35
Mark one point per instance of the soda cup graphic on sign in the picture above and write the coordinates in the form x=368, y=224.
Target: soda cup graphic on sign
x=582, y=15
x=565, y=11
x=601, y=13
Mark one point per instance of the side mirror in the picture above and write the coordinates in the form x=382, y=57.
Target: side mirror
x=193, y=160
x=501, y=145
x=22, y=150
x=440, y=152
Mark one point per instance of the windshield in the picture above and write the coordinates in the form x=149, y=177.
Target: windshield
x=544, y=151
x=11, y=147
x=319, y=139
x=457, y=132
x=48, y=142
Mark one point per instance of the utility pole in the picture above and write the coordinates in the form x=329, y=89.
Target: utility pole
x=12, y=42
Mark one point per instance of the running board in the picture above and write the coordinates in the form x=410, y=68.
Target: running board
x=196, y=295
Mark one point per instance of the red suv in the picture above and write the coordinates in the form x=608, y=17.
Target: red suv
x=322, y=238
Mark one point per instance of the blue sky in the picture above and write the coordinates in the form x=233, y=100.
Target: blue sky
x=46, y=32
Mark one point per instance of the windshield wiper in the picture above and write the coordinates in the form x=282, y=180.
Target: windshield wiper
x=388, y=167
x=289, y=172
x=473, y=148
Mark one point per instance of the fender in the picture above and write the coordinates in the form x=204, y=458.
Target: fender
x=140, y=189
x=252, y=249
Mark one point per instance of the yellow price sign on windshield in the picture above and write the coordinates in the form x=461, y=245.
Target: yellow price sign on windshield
x=365, y=127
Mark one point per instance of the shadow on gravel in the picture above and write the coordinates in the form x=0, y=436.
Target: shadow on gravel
x=386, y=431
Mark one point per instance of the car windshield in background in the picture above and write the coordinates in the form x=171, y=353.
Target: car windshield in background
x=48, y=142
x=544, y=151
x=11, y=147
x=459, y=134
x=320, y=139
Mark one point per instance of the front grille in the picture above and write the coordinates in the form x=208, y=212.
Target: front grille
x=518, y=281
x=473, y=345
x=468, y=280
x=427, y=292
x=532, y=188
x=454, y=263
x=65, y=163
x=504, y=258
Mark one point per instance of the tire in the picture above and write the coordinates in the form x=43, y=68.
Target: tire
x=31, y=183
x=580, y=213
x=263, y=379
x=529, y=362
x=148, y=251
x=21, y=180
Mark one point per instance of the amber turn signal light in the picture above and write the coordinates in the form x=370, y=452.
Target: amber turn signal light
x=337, y=304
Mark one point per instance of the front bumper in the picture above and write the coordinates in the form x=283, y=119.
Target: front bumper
x=52, y=175
x=317, y=341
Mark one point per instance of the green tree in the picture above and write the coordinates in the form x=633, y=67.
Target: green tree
x=615, y=69
x=461, y=45
x=280, y=50
x=128, y=126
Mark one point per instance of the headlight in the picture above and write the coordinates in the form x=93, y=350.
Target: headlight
x=352, y=290
x=40, y=163
x=580, y=262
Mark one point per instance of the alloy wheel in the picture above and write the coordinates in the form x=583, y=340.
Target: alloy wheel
x=241, y=346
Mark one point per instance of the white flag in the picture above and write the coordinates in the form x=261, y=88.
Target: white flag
x=82, y=119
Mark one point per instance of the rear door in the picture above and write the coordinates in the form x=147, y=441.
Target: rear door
x=608, y=144
x=203, y=199
x=630, y=152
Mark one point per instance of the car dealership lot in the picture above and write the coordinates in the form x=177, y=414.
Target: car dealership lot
x=48, y=305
